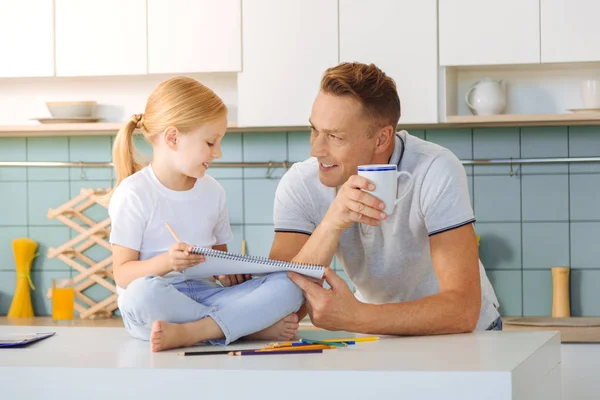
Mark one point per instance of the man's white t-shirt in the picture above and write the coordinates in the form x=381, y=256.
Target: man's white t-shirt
x=141, y=204
x=391, y=263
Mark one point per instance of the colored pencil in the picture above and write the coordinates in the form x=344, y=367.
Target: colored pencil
x=336, y=344
x=300, y=345
x=285, y=344
x=172, y=232
x=186, y=252
x=298, y=348
x=355, y=339
x=204, y=353
x=311, y=342
x=265, y=353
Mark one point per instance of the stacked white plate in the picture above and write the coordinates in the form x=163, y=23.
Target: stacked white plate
x=65, y=112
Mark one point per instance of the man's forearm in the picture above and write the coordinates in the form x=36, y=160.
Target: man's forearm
x=320, y=247
x=447, y=312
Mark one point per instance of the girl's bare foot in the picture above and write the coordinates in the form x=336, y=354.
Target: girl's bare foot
x=166, y=335
x=284, y=329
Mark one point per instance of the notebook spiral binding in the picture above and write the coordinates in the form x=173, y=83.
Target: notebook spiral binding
x=258, y=259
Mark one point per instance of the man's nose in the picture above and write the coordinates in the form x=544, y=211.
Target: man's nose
x=318, y=147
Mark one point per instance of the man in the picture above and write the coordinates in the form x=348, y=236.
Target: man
x=417, y=270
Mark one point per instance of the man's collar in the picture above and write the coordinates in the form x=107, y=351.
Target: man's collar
x=398, y=152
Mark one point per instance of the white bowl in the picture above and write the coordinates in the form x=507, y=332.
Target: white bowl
x=71, y=109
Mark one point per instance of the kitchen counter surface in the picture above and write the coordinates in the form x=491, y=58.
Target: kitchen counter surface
x=572, y=329
x=106, y=362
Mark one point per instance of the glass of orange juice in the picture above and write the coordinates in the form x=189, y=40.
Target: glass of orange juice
x=63, y=300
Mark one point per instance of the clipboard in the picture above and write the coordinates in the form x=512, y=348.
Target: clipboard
x=22, y=339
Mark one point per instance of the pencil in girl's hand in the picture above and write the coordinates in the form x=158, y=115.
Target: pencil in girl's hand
x=172, y=232
x=176, y=237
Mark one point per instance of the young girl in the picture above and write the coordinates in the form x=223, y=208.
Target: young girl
x=184, y=122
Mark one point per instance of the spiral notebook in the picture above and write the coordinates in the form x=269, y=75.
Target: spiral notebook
x=22, y=339
x=224, y=263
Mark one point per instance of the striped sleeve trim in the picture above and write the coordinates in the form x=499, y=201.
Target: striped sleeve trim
x=449, y=228
x=293, y=231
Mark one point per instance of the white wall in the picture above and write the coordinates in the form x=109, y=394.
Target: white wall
x=118, y=97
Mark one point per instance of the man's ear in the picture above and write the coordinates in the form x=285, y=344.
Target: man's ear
x=171, y=136
x=383, y=138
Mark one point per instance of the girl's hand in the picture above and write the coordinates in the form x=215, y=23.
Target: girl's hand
x=180, y=257
x=230, y=280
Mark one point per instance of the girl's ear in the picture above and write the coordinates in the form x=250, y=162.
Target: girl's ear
x=171, y=136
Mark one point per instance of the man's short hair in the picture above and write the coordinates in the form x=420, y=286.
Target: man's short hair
x=370, y=86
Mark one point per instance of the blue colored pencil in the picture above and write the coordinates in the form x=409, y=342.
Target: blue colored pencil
x=337, y=344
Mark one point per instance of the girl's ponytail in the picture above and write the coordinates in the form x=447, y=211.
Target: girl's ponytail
x=124, y=154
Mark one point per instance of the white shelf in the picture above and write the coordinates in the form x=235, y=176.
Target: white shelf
x=536, y=94
x=453, y=121
x=591, y=118
x=108, y=129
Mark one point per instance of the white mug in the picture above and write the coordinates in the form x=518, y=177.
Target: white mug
x=385, y=178
x=590, y=93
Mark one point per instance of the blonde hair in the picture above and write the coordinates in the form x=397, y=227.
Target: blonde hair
x=180, y=102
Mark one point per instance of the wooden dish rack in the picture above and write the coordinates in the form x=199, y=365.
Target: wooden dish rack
x=90, y=233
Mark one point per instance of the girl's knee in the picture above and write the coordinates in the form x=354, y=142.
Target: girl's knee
x=288, y=289
x=140, y=293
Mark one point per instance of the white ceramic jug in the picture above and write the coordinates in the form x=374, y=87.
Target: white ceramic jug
x=487, y=97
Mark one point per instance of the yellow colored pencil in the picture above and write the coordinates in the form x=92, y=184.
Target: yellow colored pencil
x=298, y=348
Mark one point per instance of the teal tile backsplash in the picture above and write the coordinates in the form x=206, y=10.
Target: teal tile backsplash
x=497, y=198
x=540, y=142
x=495, y=143
x=542, y=216
x=545, y=197
x=545, y=244
x=13, y=203
x=13, y=149
x=47, y=149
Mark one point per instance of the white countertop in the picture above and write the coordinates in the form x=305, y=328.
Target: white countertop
x=507, y=359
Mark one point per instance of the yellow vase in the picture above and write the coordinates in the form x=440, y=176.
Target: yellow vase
x=24, y=250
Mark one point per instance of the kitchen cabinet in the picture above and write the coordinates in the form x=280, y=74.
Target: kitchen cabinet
x=26, y=32
x=194, y=36
x=287, y=46
x=489, y=32
x=405, y=50
x=96, y=37
x=570, y=30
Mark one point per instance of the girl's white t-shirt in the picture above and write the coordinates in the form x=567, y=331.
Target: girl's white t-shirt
x=141, y=204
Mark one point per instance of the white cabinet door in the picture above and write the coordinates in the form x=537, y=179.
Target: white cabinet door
x=486, y=32
x=405, y=50
x=287, y=46
x=26, y=46
x=194, y=36
x=570, y=30
x=100, y=37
